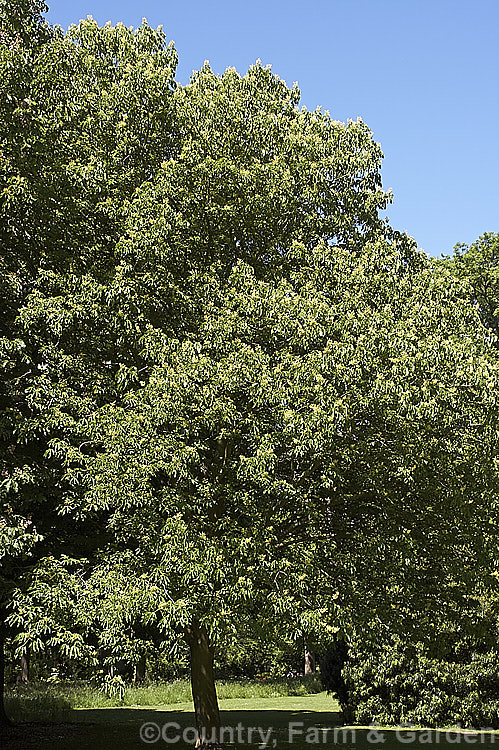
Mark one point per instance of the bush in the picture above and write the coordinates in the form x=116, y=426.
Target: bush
x=397, y=685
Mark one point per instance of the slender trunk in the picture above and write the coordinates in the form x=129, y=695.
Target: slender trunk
x=309, y=661
x=203, y=686
x=4, y=719
x=140, y=670
x=24, y=674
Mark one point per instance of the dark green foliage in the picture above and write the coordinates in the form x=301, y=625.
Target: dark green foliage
x=84, y=119
x=232, y=395
x=332, y=664
x=402, y=684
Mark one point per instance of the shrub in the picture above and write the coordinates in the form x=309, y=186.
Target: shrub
x=398, y=684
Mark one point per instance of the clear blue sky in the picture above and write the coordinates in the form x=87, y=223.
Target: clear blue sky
x=423, y=74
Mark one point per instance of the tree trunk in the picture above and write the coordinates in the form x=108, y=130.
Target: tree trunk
x=140, y=670
x=4, y=719
x=309, y=661
x=24, y=674
x=203, y=686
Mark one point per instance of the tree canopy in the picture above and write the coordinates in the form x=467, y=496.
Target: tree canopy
x=233, y=394
x=477, y=266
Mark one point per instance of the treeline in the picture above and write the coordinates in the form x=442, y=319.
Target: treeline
x=246, y=659
x=235, y=401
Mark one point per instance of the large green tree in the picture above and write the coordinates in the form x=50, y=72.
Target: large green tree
x=85, y=118
x=319, y=453
x=212, y=205
x=304, y=443
x=243, y=399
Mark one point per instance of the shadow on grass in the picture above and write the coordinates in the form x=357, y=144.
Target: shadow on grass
x=138, y=728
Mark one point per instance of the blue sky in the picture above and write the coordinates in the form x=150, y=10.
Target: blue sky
x=423, y=74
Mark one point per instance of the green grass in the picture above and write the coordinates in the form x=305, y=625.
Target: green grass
x=51, y=702
x=117, y=728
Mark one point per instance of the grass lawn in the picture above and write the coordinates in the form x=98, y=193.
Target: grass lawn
x=119, y=728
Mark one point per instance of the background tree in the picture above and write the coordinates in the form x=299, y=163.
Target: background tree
x=81, y=115
x=17, y=538
x=477, y=267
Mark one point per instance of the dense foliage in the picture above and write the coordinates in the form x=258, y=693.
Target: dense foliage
x=235, y=401
x=402, y=684
x=477, y=267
